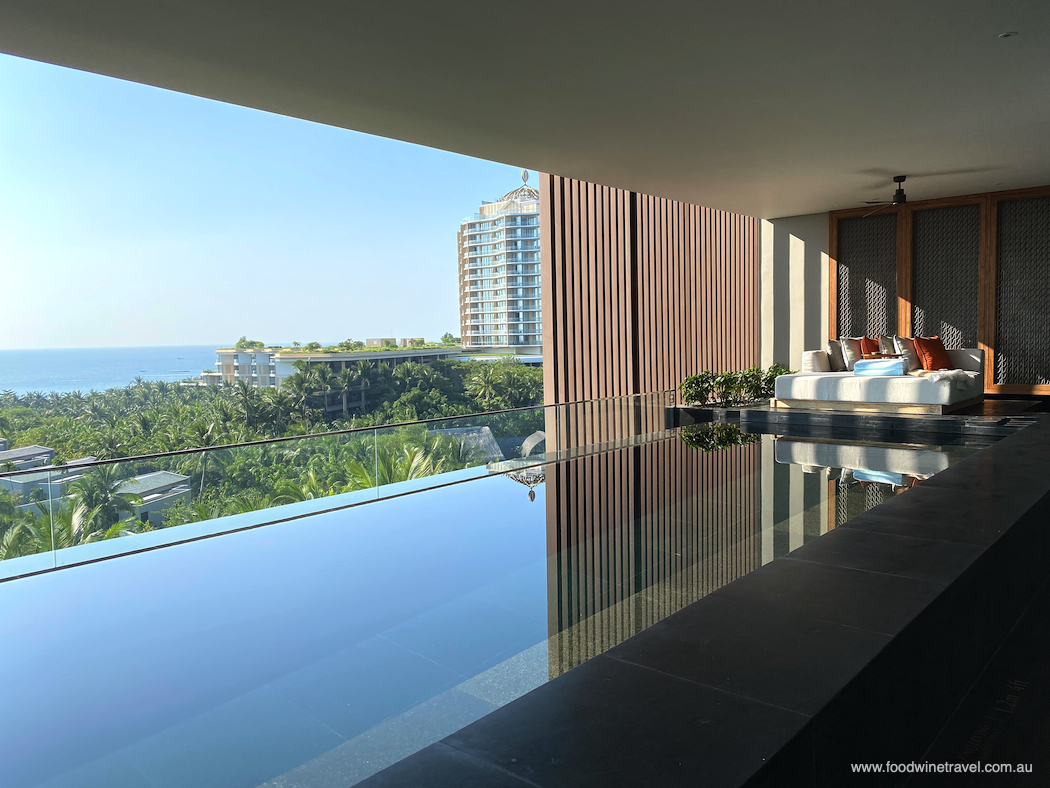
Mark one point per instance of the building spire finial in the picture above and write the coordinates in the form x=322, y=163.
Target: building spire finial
x=524, y=176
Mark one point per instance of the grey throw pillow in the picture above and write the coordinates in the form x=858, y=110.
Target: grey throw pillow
x=886, y=345
x=906, y=347
x=838, y=363
x=851, y=352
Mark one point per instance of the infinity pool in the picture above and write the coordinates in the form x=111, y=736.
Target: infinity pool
x=319, y=651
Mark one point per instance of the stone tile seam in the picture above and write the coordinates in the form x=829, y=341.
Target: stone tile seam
x=721, y=690
x=307, y=711
x=927, y=539
x=730, y=600
x=941, y=588
x=491, y=764
x=871, y=571
x=411, y=650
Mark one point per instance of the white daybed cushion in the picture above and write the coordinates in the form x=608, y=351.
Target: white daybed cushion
x=913, y=462
x=897, y=389
x=815, y=361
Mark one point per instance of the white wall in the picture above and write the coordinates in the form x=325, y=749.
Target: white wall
x=794, y=288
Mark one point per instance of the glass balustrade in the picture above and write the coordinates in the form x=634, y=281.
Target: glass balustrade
x=67, y=515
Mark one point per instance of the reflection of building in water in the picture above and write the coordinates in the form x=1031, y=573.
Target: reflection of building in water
x=635, y=534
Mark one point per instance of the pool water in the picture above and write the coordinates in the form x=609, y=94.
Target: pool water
x=319, y=651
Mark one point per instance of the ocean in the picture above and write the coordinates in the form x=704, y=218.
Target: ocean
x=100, y=368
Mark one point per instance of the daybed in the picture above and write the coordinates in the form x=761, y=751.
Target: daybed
x=889, y=458
x=941, y=393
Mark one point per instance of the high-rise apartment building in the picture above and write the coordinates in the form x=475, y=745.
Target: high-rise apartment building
x=499, y=274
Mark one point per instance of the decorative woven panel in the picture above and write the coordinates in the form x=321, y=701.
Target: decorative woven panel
x=867, y=286
x=1022, y=311
x=842, y=507
x=946, y=249
x=874, y=494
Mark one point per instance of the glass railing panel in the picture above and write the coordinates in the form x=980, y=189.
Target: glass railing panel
x=148, y=503
x=26, y=510
x=421, y=456
x=59, y=517
x=582, y=428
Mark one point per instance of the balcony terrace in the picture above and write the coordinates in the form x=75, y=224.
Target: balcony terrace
x=318, y=642
x=766, y=600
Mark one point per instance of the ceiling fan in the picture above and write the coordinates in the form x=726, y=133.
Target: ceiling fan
x=899, y=197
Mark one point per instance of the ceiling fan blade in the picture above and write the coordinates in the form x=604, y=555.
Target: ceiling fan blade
x=877, y=202
x=870, y=213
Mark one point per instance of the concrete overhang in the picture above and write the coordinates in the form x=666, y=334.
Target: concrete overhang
x=767, y=108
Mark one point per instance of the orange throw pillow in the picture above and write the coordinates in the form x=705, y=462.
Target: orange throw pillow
x=932, y=353
x=869, y=345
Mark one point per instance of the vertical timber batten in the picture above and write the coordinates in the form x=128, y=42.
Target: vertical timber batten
x=640, y=291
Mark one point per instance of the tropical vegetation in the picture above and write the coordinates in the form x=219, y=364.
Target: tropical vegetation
x=346, y=346
x=730, y=388
x=152, y=417
x=715, y=437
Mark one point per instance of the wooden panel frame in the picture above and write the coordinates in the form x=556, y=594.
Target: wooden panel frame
x=905, y=272
x=987, y=270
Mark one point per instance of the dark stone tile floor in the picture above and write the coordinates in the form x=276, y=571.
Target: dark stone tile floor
x=1005, y=717
x=856, y=648
x=1006, y=407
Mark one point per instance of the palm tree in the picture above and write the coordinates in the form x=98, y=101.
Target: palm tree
x=144, y=424
x=66, y=526
x=17, y=535
x=98, y=492
x=325, y=380
x=300, y=387
x=202, y=436
x=483, y=386
x=279, y=404
x=410, y=373
x=223, y=412
x=398, y=465
x=308, y=488
x=248, y=397
x=108, y=443
x=20, y=538
x=345, y=382
x=365, y=374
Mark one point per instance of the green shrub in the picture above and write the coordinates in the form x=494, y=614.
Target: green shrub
x=715, y=437
x=775, y=371
x=752, y=384
x=730, y=388
x=697, y=389
x=727, y=387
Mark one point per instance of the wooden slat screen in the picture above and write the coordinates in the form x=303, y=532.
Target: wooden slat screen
x=641, y=291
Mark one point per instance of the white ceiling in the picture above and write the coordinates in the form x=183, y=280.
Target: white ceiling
x=770, y=108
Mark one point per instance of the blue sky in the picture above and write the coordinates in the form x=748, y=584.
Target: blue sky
x=137, y=216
